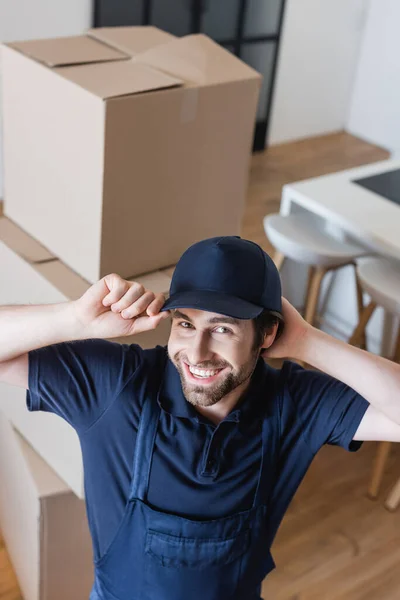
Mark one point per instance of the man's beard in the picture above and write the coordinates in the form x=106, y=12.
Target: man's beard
x=208, y=395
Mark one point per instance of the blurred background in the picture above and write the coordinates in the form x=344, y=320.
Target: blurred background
x=329, y=101
x=327, y=66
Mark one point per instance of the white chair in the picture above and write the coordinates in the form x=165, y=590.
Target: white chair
x=380, y=278
x=295, y=237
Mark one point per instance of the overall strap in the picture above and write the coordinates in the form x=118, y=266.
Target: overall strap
x=147, y=432
x=270, y=442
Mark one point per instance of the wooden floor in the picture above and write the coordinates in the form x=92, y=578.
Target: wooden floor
x=8, y=582
x=334, y=542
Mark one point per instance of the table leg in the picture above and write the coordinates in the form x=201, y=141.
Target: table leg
x=393, y=500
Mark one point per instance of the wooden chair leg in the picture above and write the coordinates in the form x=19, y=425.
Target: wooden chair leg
x=279, y=259
x=396, y=354
x=357, y=336
x=313, y=294
x=310, y=277
x=382, y=455
x=393, y=500
x=378, y=468
x=360, y=306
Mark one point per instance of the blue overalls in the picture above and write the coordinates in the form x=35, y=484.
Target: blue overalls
x=161, y=556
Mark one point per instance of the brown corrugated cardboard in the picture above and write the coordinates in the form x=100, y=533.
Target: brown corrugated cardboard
x=43, y=524
x=108, y=80
x=169, y=271
x=196, y=59
x=79, y=49
x=30, y=275
x=22, y=243
x=135, y=144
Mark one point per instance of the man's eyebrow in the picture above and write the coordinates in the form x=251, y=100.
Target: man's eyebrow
x=177, y=314
x=229, y=320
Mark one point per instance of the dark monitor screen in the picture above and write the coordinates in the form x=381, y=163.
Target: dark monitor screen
x=385, y=184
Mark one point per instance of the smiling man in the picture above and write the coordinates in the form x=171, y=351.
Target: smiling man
x=222, y=380
x=192, y=453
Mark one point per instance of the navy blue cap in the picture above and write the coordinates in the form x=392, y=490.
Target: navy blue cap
x=226, y=275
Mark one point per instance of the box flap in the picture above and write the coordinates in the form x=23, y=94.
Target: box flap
x=74, y=50
x=169, y=271
x=64, y=279
x=23, y=244
x=157, y=282
x=21, y=454
x=197, y=59
x=46, y=480
x=108, y=80
x=131, y=40
x=73, y=285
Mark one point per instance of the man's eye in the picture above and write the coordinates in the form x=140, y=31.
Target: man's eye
x=225, y=329
x=184, y=325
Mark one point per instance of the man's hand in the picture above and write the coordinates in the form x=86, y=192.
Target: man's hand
x=291, y=343
x=114, y=307
x=373, y=377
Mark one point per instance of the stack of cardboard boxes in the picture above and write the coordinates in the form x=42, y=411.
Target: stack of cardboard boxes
x=121, y=148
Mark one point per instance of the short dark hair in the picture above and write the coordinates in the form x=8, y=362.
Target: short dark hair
x=263, y=324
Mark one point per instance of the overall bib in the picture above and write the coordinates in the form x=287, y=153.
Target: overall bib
x=161, y=556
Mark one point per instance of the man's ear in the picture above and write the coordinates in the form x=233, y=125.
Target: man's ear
x=269, y=338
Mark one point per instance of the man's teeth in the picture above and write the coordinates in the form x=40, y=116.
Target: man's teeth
x=203, y=373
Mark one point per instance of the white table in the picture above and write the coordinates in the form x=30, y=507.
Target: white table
x=346, y=209
x=371, y=219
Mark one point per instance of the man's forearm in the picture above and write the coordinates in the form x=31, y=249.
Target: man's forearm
x=375, y=378
x=25, y=328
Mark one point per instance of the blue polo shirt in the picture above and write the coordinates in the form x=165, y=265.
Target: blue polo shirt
x=199, y=470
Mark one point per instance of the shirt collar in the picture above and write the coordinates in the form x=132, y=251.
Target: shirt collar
x=251, y=406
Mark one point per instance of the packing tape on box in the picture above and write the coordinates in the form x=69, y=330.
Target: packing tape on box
x=190, y=101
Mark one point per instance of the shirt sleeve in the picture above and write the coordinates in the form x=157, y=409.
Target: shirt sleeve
x=79, y=380
x=329, y=410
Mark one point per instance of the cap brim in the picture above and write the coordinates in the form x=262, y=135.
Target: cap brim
x=216, y=302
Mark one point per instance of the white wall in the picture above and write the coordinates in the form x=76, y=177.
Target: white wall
x=375, y=108
x=32, y=19
x=317, y=61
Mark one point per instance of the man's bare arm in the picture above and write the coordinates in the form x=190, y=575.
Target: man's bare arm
x=375, y=378
x=24, y=328
x=377, y=427
x=112, y=307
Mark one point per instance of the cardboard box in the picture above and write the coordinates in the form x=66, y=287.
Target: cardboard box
x=31, y=275
x=131, y=142
x=43, y=523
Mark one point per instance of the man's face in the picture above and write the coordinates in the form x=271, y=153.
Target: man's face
x=214, y=354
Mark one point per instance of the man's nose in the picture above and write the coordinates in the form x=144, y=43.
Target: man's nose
x=199, y=350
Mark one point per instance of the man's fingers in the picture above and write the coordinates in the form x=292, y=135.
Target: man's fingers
x=134, y=293
x=157, y=304
x=117, y=286
x=131, y=300
x=146, y=323
x=139, y=306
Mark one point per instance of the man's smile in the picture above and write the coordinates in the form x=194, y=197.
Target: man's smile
x=203, y=376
